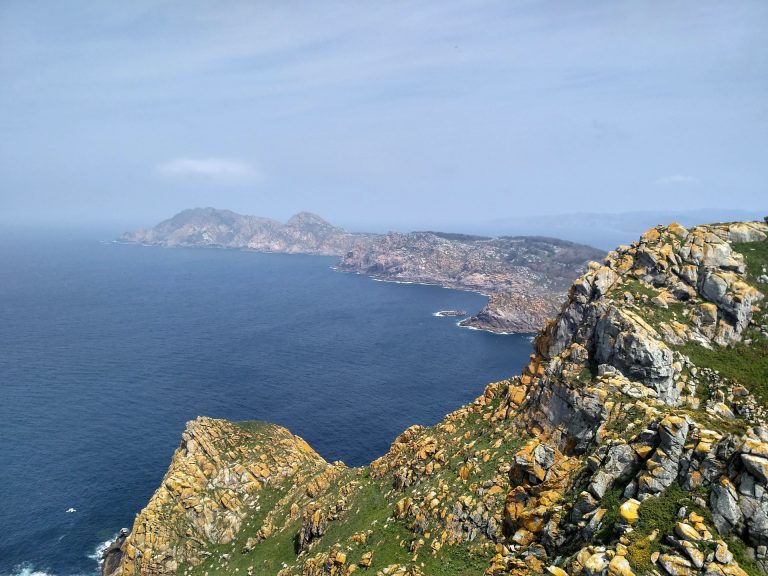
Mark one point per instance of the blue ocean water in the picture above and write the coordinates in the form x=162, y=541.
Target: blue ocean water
x=106, y=350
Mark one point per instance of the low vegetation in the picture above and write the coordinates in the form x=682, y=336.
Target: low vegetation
x=746, y=362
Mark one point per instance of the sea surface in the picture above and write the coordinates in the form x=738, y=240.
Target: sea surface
x=106, y=350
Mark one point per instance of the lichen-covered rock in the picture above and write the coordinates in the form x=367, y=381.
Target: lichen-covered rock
x=216, y=473
x=663, y=466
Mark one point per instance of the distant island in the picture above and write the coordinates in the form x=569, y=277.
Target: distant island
x=525, y=277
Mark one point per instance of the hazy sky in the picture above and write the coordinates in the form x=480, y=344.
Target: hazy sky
x=403, y=113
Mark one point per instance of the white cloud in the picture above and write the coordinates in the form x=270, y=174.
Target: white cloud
x=677, y=179
x=219, y=169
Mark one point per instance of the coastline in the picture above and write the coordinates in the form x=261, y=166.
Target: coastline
x=523, y=278
x=483, y=327
x=375, y=278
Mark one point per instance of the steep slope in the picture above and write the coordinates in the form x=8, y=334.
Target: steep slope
x=529, y=274
x=634, y=442
x=220, y=478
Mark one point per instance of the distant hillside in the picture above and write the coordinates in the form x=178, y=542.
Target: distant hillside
x=606, y=230
x=303, y=233
x=533, y=271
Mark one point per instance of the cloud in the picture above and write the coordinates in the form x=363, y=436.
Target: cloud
x=676, y=179
x=224, y=170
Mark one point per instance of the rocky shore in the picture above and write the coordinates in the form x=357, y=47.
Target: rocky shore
x=526, y=276
x=635, y=441
x=510, y=312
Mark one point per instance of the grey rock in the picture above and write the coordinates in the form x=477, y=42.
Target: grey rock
x=544, y=456
x=724, y=503
x=636, y=352
x=664, y=465
x=757, y=466
x=619, y=462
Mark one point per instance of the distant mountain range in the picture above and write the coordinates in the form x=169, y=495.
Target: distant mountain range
x=531, y=272
x=607, y=230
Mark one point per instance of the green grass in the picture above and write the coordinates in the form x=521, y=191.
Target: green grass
x=755, y=257
x=672, y=313
x=747, y=364
x=659, y=512
x=268, y=555
x=651, y=313
x=588, y=373
x=739, y=550
x=370, y=502
x=253, y=426
x=638, y=289
x=611, y=501
x=621, y=423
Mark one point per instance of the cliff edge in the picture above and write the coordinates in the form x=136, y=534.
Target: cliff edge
x=634, y=442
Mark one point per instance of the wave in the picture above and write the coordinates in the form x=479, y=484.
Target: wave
x=468, y=327
x=395, y=281
x=99, y=550
x=449, y=313
x=27, y=569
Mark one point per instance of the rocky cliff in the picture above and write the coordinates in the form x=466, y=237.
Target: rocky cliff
x=516, y=311
x=634, y=442
x=528, y=275
x=525, y=276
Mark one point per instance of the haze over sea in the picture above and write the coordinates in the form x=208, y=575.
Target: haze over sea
x=106, y=350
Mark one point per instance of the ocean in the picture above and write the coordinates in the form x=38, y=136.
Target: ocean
x=106, y=350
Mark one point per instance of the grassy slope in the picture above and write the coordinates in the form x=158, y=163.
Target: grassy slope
x=746, y=364
x=370, y=505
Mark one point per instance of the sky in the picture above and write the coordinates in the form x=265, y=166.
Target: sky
x=433, y=114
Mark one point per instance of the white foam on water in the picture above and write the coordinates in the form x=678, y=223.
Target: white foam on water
x=460, y=325
x=394, y=281
x=99, y=550
x=450, y=314
x=27, y=569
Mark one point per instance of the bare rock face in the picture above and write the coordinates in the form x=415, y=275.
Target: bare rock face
x=664, y=466
x=697, y=270
x=216, y=475
x=112, y=557
x=617, y=451
x=516, y=312
x=628, y=344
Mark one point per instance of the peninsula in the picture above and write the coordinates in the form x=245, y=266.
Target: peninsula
x=526, y=277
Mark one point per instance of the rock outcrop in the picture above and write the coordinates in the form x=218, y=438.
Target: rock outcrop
x=634, y=442
x=520, y=311
x=526, y=276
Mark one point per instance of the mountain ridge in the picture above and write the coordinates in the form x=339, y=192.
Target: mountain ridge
x=634, y=442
